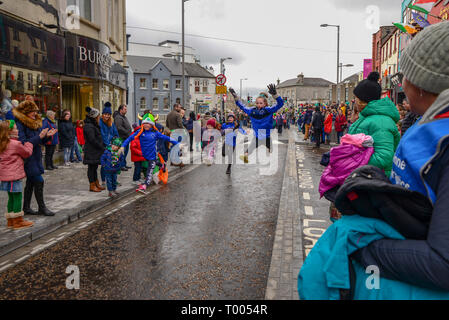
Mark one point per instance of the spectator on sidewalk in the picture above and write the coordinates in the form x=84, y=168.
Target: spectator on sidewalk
x=94, y=147
x=75, y=153
x=340, y=124
x=327, y=126
x=174, y=118
x=307, y=122
x=123, y=128
x=189, y=127
x=29, y=124
x=409, y=119
x=108, y=132
x=80, y=133
x=112, y=162
x=66, y=135
x=50, y=146
x=12, y=155
x=317, y=126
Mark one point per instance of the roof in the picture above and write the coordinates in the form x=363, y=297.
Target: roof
x=145, y=64
x=117, y=68
x=308, y=82
x=353, y=79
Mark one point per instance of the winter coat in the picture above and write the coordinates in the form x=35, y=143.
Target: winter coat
x=80, y=135
x=106, y=162
x=308, y=117
x=29, y=131
x=344, y=159
x=148, y=140
x=47, y=123
x=328, y=123
x=108, y=133
x=326, y=270
x=66, y=134
x=11, y=160
x=136, y=150
x=94, y=147
x=378, y=120
x=174, y=120
x=340, y=121
x=262, y=119
x=122, y=124
x=317, y=121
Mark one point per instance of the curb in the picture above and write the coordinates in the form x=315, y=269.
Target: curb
x=63, y=218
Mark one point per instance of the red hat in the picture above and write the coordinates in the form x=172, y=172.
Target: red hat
x=211, y=122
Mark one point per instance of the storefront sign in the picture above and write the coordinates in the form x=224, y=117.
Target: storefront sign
x=26, y=46
x=367, y=67
x=86, y=57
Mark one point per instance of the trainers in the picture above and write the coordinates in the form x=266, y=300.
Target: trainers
x=111, y=194
x=244, y=158
x=142, y=188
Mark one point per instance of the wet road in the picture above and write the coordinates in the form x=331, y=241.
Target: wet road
x=204, y=236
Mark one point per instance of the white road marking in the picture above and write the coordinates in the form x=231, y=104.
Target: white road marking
x=309, y=210
x=23, y=258
x=6, y=267
x=306, y=196
x=4, y=262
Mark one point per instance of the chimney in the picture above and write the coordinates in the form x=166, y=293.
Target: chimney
x=300, y=79
x=279, y=81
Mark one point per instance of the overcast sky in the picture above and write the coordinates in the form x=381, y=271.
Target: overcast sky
x=285, y=23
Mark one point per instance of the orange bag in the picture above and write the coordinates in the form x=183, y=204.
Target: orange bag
x=163, y=176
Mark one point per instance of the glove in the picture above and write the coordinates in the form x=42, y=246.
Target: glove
x=272, y=89
x=234, y=94
x=121, y=151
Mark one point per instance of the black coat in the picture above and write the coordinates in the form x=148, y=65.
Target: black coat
x=369, y=193
x=94, y=148
x=66, y=134
x=318, y=121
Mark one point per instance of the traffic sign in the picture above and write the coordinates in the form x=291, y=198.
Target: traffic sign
x=221, y=80
x=221, y=89
x=225, y=97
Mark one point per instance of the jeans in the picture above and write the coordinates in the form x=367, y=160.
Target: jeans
x=137, y=170
x=339, y=135
x=111, y=181
x=75, y=151
x=126, y=155
x=67, y=154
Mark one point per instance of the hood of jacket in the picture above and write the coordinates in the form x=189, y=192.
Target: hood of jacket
x=32, y=124
x=384, y=107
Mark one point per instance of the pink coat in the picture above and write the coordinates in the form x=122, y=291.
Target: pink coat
x=11, y=160
x=355, y=151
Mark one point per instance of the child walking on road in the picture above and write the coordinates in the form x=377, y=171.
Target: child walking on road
x=12, y=153
x=112, y=161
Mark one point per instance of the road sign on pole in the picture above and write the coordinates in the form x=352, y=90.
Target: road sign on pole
x=221, y=89
x=221, y=80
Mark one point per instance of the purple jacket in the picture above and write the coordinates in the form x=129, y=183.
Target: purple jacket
x=344, y=159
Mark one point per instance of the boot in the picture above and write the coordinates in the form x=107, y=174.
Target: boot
x=19, y=223
x=39, y=194
x=229, y=169
x=27, y=195
x=99, y=186
x=94, y=188
x=9, y=219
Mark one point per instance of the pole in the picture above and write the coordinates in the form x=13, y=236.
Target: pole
x=222, y=101
x=341, y=71
x=183, y=60
x=338, y=52
x=241, y=87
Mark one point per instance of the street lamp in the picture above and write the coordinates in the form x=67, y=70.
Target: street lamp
x=241, y=92
x=341, y=69
x=222, y=71
x=338, y=46
x=183, y=57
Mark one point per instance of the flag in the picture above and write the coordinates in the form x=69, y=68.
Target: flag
x=420, y=20
x=406, y=28
x=424, y=6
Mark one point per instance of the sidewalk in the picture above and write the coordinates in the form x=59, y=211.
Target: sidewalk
x=66, y=193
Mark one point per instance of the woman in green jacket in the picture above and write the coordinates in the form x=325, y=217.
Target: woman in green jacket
x=377, y=118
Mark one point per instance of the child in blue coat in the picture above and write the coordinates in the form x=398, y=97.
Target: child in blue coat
x=111, y=162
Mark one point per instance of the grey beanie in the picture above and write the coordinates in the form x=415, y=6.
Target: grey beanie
x=425, y=62
x=92, y=112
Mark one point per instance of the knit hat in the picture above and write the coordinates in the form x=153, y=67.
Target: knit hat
x=116, y=142
x=425, y=61
x=369, y=89
x=211, y=122
x=107, y=108
x=149, y=118
x=92, y=112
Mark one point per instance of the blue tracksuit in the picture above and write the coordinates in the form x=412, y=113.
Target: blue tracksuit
x=230, y=134
x=262, y=119
x=148, y=141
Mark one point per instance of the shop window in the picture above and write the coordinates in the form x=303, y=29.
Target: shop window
x=155, y=84
x=166, y=104
x=143, y=103
x=178, y=84
x=166, y=84
x=143, y=83
x=197, y=86
x=155, y=103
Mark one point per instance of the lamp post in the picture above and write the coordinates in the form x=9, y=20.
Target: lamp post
x=222, y=71
x=338, y=47
x=241, y=93
x=341, y=69
x=183, y=58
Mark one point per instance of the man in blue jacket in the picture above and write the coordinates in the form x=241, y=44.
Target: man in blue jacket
x=261, y=117
x=308, y=122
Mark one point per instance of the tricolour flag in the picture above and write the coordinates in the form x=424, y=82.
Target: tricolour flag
x=424, y=6
x=404, y=27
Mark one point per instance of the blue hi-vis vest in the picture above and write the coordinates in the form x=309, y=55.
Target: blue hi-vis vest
x=420, y=145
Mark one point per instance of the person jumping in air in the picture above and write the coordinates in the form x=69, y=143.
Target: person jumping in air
x=261, y=118
x=148, y=137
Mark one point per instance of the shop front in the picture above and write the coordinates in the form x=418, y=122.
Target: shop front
x=92, y=77
x=31, y=63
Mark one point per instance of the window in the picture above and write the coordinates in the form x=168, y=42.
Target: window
x=143, y=103
x=155, y=103
x=143, y=83
x=84, y=6
x=166, y=84
x=197, y=86
x=178, y=100
x=166, y=104
x=36, y=59
x=155, y=84
x=178, y=84
x=16, y=35
x=30, y=81
x=205, y=86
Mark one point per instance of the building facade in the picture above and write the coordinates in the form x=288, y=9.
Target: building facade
x=379, y=40
x=344, y=91
x=304, y=90
x=66, y=54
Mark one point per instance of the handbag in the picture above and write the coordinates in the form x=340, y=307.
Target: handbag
x=325, y=159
